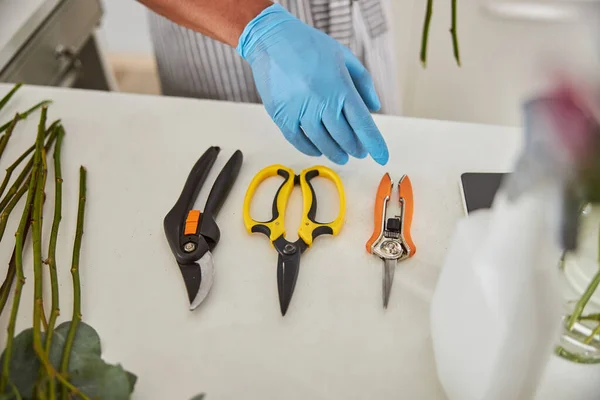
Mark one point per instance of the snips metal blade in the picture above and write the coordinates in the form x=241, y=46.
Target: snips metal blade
x=389, y=268
x=198, y=278
x=288, y=268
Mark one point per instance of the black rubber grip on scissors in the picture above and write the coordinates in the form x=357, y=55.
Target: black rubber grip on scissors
x=312, y=212
x=219, y=192
x=260, y=228
x=175, y=219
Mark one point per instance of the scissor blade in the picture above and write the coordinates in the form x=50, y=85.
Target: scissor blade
x=287, y=274
x=389, y=268
x=198, y=278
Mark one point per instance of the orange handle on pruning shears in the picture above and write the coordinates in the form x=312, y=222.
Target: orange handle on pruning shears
x=407, y=202
x=383, y=195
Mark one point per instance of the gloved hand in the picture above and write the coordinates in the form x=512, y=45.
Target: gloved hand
x=313, y=87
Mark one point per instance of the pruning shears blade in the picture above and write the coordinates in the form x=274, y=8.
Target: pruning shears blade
x=191, y=277
x=198, y=278
x=389, y=268
x=288, y=268
x=207, y=273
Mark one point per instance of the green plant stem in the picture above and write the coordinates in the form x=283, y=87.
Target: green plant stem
x=590, y=317
x=14, y=187
x=425, y=37
x=4, y=140
x=40, y=160
x=13, y=202
x=11, y=205
x=10, y=94
x=585, y=298
x=454, y=33
x=12, y=167
x=19, y=272
x=27, y=113
x=15, y=391
x=36, y=224
x=10, y=273
x=594, y=333
x=55, y=311
x=64, y=365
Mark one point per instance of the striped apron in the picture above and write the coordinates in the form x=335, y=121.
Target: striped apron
x=193, y=65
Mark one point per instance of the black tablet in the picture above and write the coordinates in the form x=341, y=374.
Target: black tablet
x=479, y=189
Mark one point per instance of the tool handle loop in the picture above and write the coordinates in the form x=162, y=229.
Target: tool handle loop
x=310, y=228
x=275, y=227
x=383, y=195
x=223, y=184
x=407, y=203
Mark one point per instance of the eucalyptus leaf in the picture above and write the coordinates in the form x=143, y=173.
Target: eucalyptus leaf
x=87, y=371
x=86, y=345
x=132, y=380
x=198, y=397
x=99, y=380
x=24, y=364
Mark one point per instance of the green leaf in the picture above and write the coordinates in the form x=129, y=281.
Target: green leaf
x=87, y=371
x=132, y=380
x=198, y=397
x=24, y=364
x=99, y=380
x=86, y=345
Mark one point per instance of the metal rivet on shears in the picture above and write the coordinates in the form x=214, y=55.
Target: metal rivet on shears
x=392, y=248
x=189, y=247
x=289, y=249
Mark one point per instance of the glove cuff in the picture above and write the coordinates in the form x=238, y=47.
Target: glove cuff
x=260, y=26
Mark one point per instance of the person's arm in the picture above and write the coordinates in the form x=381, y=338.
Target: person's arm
x=315, y=90
x=223, y=20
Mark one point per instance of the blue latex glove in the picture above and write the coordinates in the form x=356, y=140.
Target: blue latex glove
x=313, y=87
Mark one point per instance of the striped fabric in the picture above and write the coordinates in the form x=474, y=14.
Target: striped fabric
x=372, y=13
x=193, y=65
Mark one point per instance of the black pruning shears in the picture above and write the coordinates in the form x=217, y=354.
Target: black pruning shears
x=192, y=234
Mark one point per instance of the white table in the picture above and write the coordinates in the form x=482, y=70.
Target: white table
x=336, y=341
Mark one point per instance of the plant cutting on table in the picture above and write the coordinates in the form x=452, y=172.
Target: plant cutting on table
x=48, y=361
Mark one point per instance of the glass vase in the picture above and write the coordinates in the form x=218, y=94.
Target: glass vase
x=580, y=339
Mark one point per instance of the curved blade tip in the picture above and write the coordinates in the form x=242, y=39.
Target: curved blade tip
x=207, y=271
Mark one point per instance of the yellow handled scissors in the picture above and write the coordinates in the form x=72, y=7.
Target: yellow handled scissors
x=288, y=262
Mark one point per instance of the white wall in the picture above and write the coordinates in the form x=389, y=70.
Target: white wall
x=125, y=28
x=503, y=61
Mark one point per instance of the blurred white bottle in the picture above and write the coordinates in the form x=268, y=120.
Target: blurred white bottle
x=495, y=313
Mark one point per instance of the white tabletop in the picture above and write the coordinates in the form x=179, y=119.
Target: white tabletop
x=336, y=341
